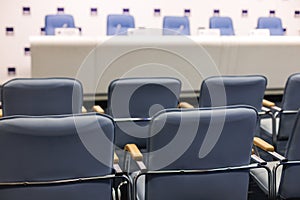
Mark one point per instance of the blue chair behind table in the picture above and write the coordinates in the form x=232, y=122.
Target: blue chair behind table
x=274, y=24
x=223, y=23
x=41, y=96
x=58, y=21
x=41, y=150
x=174, y=25
x=139, y=98
x=118, y=24
x=194, y=131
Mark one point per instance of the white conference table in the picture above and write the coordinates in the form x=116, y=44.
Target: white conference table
x=96, y=61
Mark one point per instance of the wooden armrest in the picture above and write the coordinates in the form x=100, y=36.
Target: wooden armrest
x=185, y=105
x=262, y=144
x=134, y=152
x=269, y=104
x=116, y=158
x=98, y=109
x=83, y=109
x=1, y=113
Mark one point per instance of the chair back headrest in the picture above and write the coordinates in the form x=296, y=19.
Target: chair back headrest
x=42, y=96
x=201, y=138
x=233, y=90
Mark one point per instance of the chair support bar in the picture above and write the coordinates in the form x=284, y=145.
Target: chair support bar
x=75, y=180
x=132, y=119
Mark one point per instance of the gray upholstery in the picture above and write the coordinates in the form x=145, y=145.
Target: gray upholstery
x=290, y=101
x=199, y=139
x=288, y=173
x=233, y=90
x=139, y=98
x=260, y=175
x=55, y=148
x=289, y=184
x=44, y=96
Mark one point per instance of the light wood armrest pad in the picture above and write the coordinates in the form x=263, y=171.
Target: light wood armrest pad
x=1, y=113
x=98, y=109
x=134, y=152
x=268, y=103
x=83, y=109
x=116, y=158
x=262, y=144
x=185, y=105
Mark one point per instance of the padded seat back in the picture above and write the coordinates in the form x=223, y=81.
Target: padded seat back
x=118, y=24
x=174, y=25
x=274, y=24
x=139, y=98
x=55, y=148
x=200, y=139
x=58, y=21
x=41, y=96
x=233, y=90
x=223, y=23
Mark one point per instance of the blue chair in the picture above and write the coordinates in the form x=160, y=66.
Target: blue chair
x=223, y=23
x=274, y=24
x=285, y=168
x=174, y=25
x=42, y=96
x=183, y=161
x=233, y=90
x=58, y=21
x=56, y=157
x=284, y=115
x=133, y=101
x=118, y=24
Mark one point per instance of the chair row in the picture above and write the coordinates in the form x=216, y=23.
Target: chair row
x=172, y=25
x=43, y=146
x=133, y=103
x=71, y=156
x=247, y=90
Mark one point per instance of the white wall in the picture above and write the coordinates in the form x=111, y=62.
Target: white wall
x=11, y=15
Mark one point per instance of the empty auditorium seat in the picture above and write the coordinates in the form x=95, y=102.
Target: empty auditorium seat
x=274, y=24
x=223, y=23
x=175, y=25
x=118, y=24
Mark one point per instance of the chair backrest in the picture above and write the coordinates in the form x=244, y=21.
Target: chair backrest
x=139, y=98
x=274, y=24
x=196, y=139
x=41, y=96
x=58, y=21
x=291, y=174
x=223, y=23
x=118, y=24
x=233, y=90
x=55, y=148
x=175, y=25
x=290, y=101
